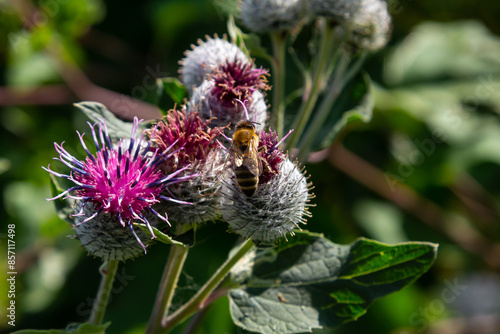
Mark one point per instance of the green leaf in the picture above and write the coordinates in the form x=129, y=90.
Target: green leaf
x=160, y=236
x=97, y=112
x=439, y=77
x=85, y=328
x=254, y=44
x=64, y=207
x=250, y=44
x=437, y=51
x=174, y=88
x=312, y=283
x=355, y=103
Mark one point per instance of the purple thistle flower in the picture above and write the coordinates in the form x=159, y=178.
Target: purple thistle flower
x=270, y=151
x=237, y=80
x=201, y=152
x=231, y=82
x=179, y=129
x=120, y=182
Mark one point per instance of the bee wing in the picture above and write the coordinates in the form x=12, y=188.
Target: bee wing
x=252, y=161
x=253, y=164
x=236, y=156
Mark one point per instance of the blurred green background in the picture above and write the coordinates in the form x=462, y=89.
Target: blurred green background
x=427, y=167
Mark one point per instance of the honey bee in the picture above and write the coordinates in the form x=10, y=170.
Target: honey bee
x=246, y=161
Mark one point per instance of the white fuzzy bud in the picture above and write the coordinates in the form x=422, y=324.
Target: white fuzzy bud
x=277, y=207
x=272, y=15
x=338, y=11
x=104, y=236
x=371, y=26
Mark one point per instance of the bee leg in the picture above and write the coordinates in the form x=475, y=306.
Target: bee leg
x=265, y=166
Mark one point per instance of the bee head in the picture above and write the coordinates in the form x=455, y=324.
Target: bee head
x=246, y=125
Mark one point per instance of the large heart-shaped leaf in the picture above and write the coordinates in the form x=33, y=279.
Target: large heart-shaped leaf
x=313, y=283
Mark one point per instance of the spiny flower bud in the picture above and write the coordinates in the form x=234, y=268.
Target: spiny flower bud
x=231, y=83
x=204, y=59
x=371, y=26
x=114, y=187
x=338, y=11
x=194, y=143
x=272, y=15
x=279, y=203
x=103, y=236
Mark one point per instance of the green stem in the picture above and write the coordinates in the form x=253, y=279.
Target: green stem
x=279, y=57
x=108, y=271
x=198, y=301
x=340, y=80
x=324, y=58
x=168, y=284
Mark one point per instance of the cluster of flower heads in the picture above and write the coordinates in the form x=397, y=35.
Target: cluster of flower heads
x=179, y=171
x=366, y=21
x=233, y=90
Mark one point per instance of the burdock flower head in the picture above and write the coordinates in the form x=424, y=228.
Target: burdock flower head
x=272, y=15
x=371, y=26
x=280, y=202
x=231, y=82
x=195, y=145
x=338, y=11
x=205, y=58
x=114, y=187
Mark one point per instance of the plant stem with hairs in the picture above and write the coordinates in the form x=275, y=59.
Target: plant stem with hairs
x=108, y=271
x=279, y=44
x=202, y=298
x=173, y=268
x=318, y=76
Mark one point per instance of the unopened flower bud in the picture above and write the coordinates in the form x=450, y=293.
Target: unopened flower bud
x=338, y=11
x=371, y=26
x=272, y=15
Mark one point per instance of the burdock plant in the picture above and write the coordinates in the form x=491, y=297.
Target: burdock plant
x=168, y=179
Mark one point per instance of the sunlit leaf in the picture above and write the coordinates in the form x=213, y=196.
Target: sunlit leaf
x=174, y=88
x=312, y=283
x=97, y=112
x=159, y=235
x=437, y=51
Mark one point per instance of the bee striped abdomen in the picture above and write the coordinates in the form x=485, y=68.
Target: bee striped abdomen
x=246, y=180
